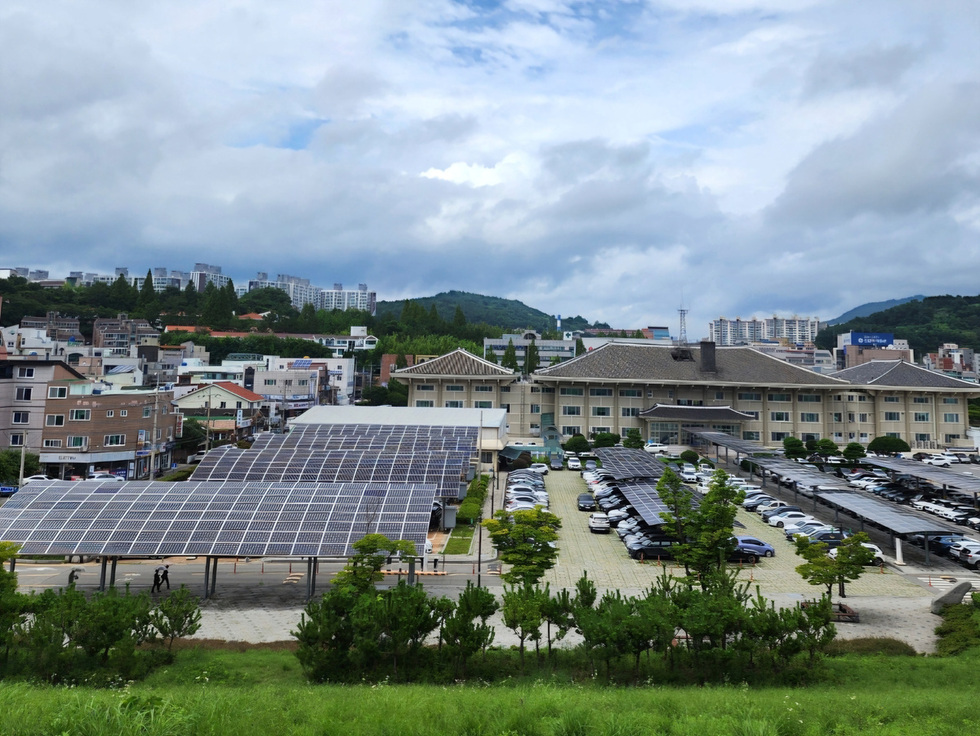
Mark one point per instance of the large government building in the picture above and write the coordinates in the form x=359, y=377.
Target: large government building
x=661, y=390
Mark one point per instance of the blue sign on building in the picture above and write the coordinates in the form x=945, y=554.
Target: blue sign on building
x=872, y=339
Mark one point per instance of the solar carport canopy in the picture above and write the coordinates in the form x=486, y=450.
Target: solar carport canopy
x=940, y=476
x=206, y=518
x=898, y=520
x=625, y=463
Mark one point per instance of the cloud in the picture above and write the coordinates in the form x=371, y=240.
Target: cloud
x=874, y=67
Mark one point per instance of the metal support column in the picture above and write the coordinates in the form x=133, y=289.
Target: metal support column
x=13, y=563
x=112, y=572
x=411, y=571
x=105, y=560
x=207, y=576
x=214, y=577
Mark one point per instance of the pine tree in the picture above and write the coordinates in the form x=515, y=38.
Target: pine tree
x=510, y=357
x=146, y=303
x=531, y=358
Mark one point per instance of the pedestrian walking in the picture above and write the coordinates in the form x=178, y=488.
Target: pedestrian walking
x=72, y=577
x=156, y=581
x=164, y=576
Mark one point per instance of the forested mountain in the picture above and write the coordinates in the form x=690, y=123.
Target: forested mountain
x=925, y=323
x=865, y=310
x=508, y=314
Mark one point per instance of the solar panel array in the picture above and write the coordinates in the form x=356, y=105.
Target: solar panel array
x=952, y=476
x=350, y=453
x=220, y=519
x=723, y=439
x=896, y=519
x=643, y=496
x=629, y=463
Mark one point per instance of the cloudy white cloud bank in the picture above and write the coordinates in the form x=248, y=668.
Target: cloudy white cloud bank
x=608, y=158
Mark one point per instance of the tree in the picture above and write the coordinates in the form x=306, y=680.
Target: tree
x=703, y=533
x=177, y=615
x=578, y=443
x=524, y=541
x=579, y=347
x=363, y=569
x=522, y=612
x=492, y=356
x=633, y=441
x=690, y=456
x=821, y=569
x=827, y=447
x=531, y=358
x=10, y=466
x=605, y=439
x=853, y=451
x=510, y=357
x=886, y=445
x=459, y=320
x=463, y=635
x=793, y=448
x=146, y=302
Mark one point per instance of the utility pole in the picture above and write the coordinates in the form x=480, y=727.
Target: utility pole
x=23, y=452
x=153, y=435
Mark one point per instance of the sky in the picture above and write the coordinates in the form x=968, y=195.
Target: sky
x=617, y=160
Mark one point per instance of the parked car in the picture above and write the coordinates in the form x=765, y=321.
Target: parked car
x=788, y=517
x=756, y=546
x=656, y=448
x=556, y=463
x=541, y=468
x=938, y=460
x=598, y=523
x=36, y=477
x=877, y=560
x=574, y=463
x=586, y=502
x=651, y=549
x=105, y=476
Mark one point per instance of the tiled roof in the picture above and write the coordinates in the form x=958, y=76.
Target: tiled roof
x=672, y=412
x=457, y=363
x=232, y=388
x=662, y=363
x=901, y=374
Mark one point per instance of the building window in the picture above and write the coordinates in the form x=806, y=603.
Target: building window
x=424, y=403
x=600, y=430
x=751, y=436
x=110, y=413
x=454, y=404
x=78, y=441
x=57, y=392
x=753, y=414
x=864, y=437
x=950, y=400
x=779, y=436
x=897, y=435
x=547, y=389
x=114, y=440
x=809, y=398
x=505, y=389
x=269, y=382
x=891, y=399
x=749, y=396
x=425, y=387
x=302, y=382
x=951, y=418
x=601, y=411
x=838, y=416
x=52, y=443
x=951, y=438
x=147, y=411
x=535, y=408
x=630, y=393
x=570, y=429
x=124, y=412
x=454, y=387
x=690, y=402
x=630, y=411
x=921, y=400
x=779, y=416
x=862, y=417
x=222, y=405
x=809, y=416
x=23, y=372
x=80, y=415
x=600, y=392
x=920, y=416
x=809, y=436
x=54, y=420
x=571, y=411
x=288, y=382
x=892, y=416
x=719, y=395
x=780, y=397
x=482, y=404
x=24, y=393
x=482, y=388
x=21, y=417
x=921, y=436
x=571, y=391
x=505, y=407
x=17, y=439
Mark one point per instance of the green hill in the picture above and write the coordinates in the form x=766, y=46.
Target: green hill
x=925, y=323
x=866, y=310
x=508, y=314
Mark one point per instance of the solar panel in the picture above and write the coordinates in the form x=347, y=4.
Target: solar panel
x=64, y=518
x=898, y=520
x=629, y=463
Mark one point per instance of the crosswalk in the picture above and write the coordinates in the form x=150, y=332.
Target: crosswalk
x=940, y=584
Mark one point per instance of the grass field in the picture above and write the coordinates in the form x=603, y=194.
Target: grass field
x=263, y=691
x=460, y=541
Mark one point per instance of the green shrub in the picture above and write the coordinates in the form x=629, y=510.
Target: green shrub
x=690, y=456
x=882, y=645
x=959, y=630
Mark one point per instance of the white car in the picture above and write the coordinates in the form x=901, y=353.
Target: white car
x=574, y=463
x=790, y=517
x=878, y=559
x=541, y=468
x=598, y=523
x=37, y=477
x=938, y=460
x=105, y=476
x=656, y=448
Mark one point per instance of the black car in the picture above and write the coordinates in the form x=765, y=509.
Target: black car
x=651, y=549
x=586, y=502
x=743, y=555
x=556, y=463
